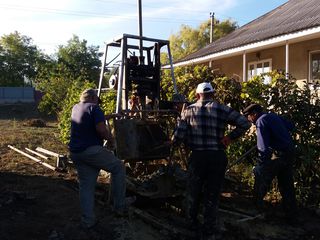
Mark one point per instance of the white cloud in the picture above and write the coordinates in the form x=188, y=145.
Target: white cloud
x=51, y=23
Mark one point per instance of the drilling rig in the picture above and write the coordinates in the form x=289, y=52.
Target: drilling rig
x=141, y=133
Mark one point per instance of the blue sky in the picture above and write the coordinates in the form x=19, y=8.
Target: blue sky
x=52, y=23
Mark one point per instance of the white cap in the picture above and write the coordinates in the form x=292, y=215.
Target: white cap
x=204, y=87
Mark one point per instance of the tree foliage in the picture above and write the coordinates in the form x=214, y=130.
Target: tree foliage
x=189, y=40
x=74, y=62
x=71, y=98
x=79, y=60
x=18, y=60
x=300, y=104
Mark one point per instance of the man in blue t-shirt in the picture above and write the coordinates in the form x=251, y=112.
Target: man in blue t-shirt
x=276, y=155
x=88, y=130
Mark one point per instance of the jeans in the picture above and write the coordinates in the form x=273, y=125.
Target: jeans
x=206, y=174
x=280, y=166
x=88, y=164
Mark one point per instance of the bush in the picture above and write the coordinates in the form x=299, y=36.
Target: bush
x=64, y=116
x=72, y=97
x=299, y=104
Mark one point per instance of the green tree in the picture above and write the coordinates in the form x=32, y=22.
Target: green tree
x=19, y=59
x=186, y=78
x=189, y=40
x=75, y=62
x=80, y=60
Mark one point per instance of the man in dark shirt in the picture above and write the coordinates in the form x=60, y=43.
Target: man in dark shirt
x=88, y=130
x=276, y=156
x=202, y=128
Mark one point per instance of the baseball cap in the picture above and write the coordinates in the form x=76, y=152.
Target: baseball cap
x=204, y=87
x=254, y=107
x=87, y=94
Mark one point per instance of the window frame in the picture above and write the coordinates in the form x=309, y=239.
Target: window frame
x=310, y=80
x=255, y=63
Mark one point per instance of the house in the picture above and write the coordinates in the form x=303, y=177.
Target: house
x=286, y=38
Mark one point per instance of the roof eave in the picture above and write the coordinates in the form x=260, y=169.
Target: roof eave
x=268, y=43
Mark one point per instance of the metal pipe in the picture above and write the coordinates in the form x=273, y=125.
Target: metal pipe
x=121, y=75
x=241, y=158
x=102, y=69
x=172, y=71
x=140, y=31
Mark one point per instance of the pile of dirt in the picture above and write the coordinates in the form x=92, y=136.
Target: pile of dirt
x=35, y=123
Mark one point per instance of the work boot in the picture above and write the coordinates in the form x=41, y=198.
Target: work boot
x=130, y=201
x=89, y=228
x=124, y=212
x=193, y=225
x=292, y=219
x=121, y=213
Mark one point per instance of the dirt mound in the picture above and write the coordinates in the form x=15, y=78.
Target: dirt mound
x=35, y=123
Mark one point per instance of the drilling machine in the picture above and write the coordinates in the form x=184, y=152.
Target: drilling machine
x=141, y=134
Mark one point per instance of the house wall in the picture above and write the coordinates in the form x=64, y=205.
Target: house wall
x=298, y=60
x=231, y=66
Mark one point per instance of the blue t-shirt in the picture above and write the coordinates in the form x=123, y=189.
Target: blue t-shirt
x=273, y=133
x=84, y=118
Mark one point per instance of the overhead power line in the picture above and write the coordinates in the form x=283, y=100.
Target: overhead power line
x=91, y=14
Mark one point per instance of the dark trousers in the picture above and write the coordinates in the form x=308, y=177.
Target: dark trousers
x=280, y=166
x=206, y=174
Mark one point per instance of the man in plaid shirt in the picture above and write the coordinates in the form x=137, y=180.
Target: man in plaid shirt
x=202, y=128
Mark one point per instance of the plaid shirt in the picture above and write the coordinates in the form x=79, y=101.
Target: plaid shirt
x=202, y=125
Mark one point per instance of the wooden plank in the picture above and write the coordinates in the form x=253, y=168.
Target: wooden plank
x=32, y=158
x=38, y=154
x=258, y=216
x=39, y=149
x=238, y=214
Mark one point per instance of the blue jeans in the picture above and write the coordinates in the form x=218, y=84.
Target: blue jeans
x=88, y=164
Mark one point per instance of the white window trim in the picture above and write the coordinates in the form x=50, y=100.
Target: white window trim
x=255, y=63
x=310, y=66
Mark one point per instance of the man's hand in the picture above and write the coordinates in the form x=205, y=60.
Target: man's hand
x=113, y=115
x=226, y=141
x=111, y=145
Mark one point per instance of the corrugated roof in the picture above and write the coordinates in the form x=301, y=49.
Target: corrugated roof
x=292, y=16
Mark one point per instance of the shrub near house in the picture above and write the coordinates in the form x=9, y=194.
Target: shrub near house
x=283, y=96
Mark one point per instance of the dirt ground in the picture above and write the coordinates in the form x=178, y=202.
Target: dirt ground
x=37, y=203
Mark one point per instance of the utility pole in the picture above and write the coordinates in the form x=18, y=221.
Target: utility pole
x=211, y=26
x=211, y=32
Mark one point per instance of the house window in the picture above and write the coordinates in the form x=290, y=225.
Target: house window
x=314, y=76
x=259, y=67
